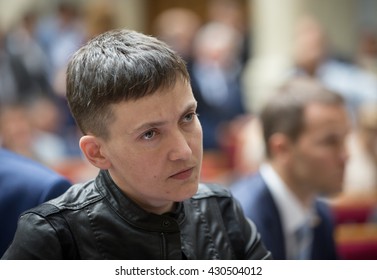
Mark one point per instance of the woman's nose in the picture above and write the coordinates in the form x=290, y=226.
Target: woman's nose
x=179, y=147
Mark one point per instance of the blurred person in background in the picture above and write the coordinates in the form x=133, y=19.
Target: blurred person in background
x=23, y=67
x=216, y=81
x=366, y=55
x=30, y=130
x=16, y=132
x=314, y=57
x=8, y=85
x=25, y=82
x=177, y=27
x=361, y=171
x=46, y=119
x=29, y=64
x=304, y=130
x=60, y=33
x=233, y=14
x=98, y=17
x=24, y=184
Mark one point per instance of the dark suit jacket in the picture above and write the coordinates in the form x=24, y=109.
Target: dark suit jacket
x=23, y=185
x=258, y=204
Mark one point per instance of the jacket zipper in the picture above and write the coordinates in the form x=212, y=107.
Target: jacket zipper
x=163, y=244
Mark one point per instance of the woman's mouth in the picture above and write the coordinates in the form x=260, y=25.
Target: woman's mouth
x=183, y=175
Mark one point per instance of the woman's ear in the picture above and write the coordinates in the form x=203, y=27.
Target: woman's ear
x=92, y=149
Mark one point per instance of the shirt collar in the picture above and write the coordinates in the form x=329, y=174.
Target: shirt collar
x=293, y=213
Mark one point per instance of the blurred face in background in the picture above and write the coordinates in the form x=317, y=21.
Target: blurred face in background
x=310, y=46
x=318, y=156
x=16, y=131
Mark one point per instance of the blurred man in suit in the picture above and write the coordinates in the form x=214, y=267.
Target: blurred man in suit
x=304, y=130
x=23, y=184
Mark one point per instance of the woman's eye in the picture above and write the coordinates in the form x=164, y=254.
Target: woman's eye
x=189, y=117
x=149, y=135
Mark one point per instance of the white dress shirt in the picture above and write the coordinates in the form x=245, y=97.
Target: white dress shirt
x=293, y=214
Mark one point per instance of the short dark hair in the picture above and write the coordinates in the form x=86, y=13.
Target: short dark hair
x=284, y=111
x=118, y=65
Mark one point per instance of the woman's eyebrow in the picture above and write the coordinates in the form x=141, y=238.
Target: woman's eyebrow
x=144, y=126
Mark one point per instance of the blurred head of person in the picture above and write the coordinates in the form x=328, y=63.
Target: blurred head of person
x=367, y=128
x=366, y=55
x=217, y=44
x=177, y=27
x=310, y=45
x=16, y=130
x=304, y=129
x=99, y=17
x=45, y=115
x=229, y=12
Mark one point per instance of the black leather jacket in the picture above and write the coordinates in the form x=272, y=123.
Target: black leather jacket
x=96, y=220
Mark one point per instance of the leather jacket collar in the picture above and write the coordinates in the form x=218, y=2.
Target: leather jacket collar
x=133, y=213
